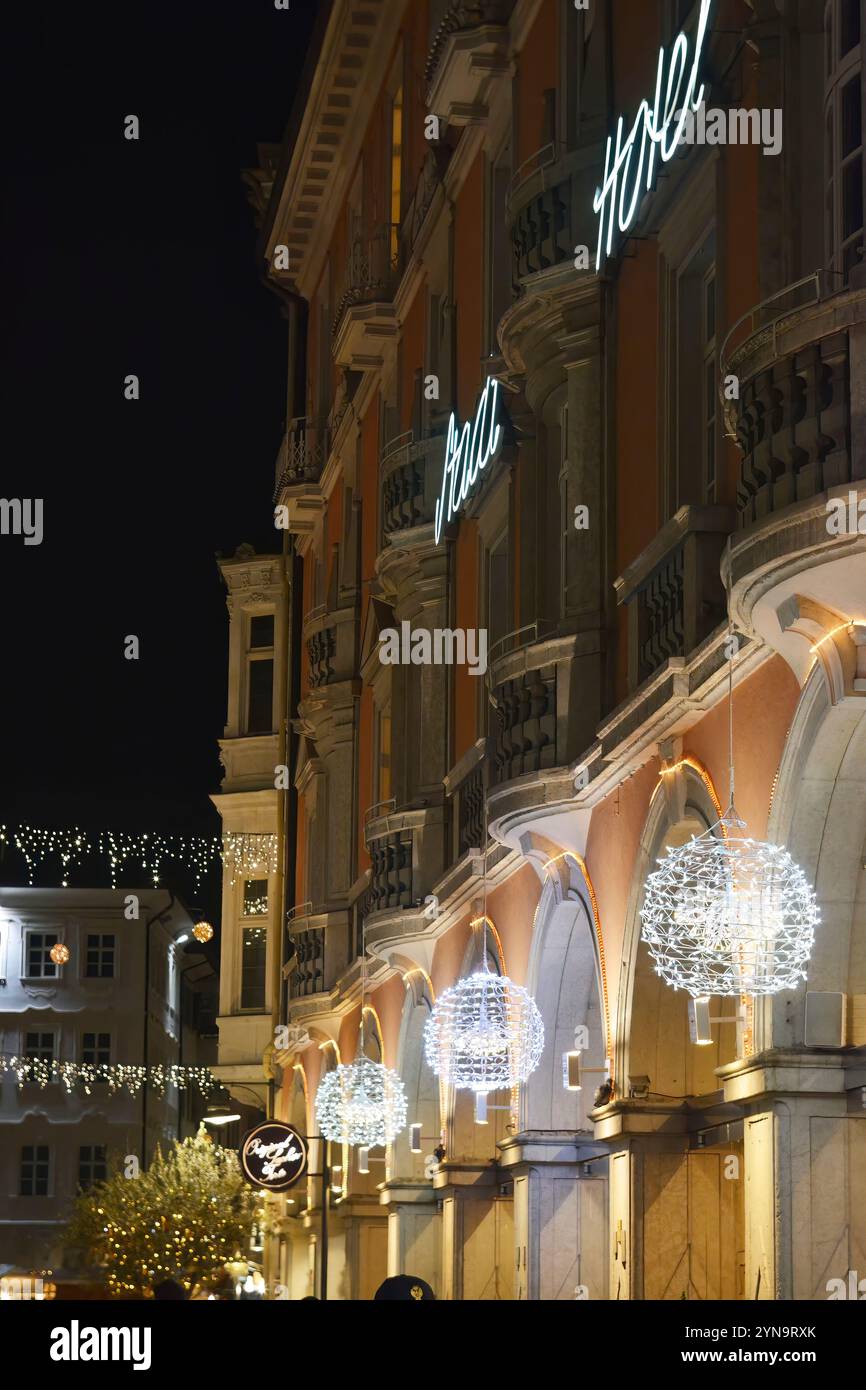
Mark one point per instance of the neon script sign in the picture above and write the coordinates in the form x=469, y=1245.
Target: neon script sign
x=661, y=125
x=467, y=454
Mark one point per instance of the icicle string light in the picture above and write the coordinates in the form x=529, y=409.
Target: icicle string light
x=242, y=854
x=42, y=1071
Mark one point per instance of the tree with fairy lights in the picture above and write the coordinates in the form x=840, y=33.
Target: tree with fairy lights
x=183, y=1219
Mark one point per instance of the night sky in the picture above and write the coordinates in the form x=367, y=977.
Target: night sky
x=122, y=257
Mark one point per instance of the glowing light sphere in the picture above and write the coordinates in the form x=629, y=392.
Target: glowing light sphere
x=484, y=1034
x=59, y=953
x=363, y=1103
x=728, y=915
x=202, y=931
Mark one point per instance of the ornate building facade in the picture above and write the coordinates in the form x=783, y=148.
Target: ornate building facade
x=490, y=211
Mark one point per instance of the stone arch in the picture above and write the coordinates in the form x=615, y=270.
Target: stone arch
x=818, y=812
x=422, y=1086
x=564, y=979
x=652, y=1036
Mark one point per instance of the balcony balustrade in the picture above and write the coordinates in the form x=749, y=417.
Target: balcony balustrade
x=673, y=591
x=304, y=454
x=411, y=482
x=468, y=53
x=365, y=316
x=792, y=419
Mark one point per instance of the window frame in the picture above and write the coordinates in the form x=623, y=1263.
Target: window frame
x=86, y=948
x=839, y=73
x=49, y=1177
x=59, y=936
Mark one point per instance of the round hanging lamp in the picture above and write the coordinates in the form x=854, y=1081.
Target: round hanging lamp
x=362, y=1103
x=484, y=1034
x=728, y=915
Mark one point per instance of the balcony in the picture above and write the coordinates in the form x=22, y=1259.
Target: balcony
x=466, y=788
x=546, y=208
x=321, y=653
x=673, y=591
x=300, y=464
x=318, y=948
x=411, y=482
x=793, y=417
x=366, y=320
x=406, y=851
x=468, y=56
x=799, y=423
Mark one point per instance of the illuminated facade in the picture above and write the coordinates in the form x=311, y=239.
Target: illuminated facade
x=127, y=995
x=676, y=409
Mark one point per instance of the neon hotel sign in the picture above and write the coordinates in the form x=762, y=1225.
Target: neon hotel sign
x=657, y=127
x=467, y=454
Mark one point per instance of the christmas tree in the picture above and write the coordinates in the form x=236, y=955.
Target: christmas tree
x=182, y=1219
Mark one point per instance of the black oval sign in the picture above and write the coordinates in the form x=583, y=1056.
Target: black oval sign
x=273, y=1156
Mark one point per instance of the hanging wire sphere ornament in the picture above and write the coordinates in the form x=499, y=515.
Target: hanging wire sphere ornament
x=202, y=931
x=727, y=915
x=59, y=953
x=362, y=1103
x=484, y=1034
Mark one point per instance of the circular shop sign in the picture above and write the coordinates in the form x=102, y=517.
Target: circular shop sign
x=273, y=1156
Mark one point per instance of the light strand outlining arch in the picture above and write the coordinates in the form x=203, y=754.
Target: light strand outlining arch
x=599, y=937
x=483, y=917
x=329, y=1042
x=697, y=766
x=369, y=1009
x=417, y=970
x=299, y=1066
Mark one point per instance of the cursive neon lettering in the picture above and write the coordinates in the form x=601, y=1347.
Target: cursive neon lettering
x=662, y=125
x=467, y=454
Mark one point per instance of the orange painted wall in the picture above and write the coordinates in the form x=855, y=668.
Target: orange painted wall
x=637, y=518
x=611, y=849
x=511, y=908
x=417, y=35
x=412, y=355
x=334, y=512
x=764, y=707
x=388, y=1002
x=370, y=496
x=365, y=770
x=468, y=285
x=637, y=36
x=536, y=73
x=348, y=1035
x=466, y=581
x=448, y=958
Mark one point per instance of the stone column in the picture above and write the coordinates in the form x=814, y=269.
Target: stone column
x=560, y=1215
x=414, y=1230
x=477, y=1232
x=805, y=1170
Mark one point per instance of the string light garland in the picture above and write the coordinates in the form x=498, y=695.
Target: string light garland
x=42, y=1071
x=725, y=914
x=241, y=854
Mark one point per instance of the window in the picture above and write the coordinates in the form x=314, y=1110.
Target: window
x=843, y=138
x=262, y=631
x=499, y=261
x=383, y=754
x=260, y=674
x=38, y=962
x=91, y=1165
x=253, y=961
x=99, y=956
x=35, y=1170
x=39, y=1046
x=255, y=897
x=396, y=172
x=499, y=622
x=694, y=420
x=96, y=1049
